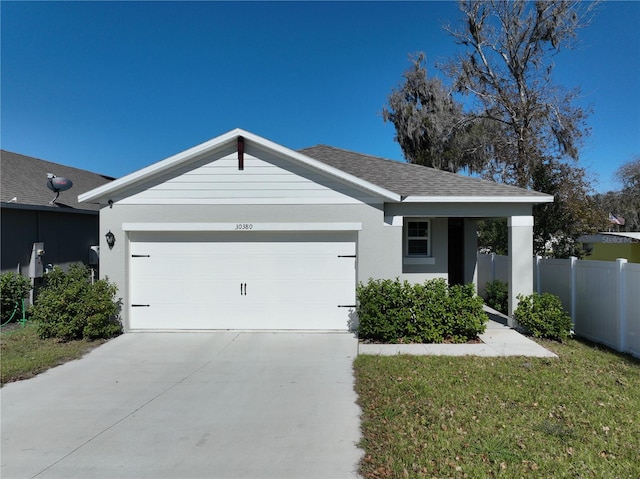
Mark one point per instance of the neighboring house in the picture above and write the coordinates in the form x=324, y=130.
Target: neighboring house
x=242, y=233
x=67, y=228
x=609, y=246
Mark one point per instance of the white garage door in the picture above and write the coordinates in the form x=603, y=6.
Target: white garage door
x=248, y=280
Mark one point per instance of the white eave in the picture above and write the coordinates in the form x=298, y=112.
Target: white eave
x=479, y=199
x=221, y=142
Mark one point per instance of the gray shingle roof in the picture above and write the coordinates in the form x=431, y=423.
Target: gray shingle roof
x=407, y=179
x=25, y=178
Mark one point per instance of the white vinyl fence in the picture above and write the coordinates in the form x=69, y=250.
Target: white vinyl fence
x=603, y=297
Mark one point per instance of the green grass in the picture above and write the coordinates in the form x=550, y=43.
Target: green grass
x=427, y=416
x=23, y=354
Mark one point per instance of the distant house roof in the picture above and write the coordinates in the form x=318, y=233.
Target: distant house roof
x=25, y=179
x=628, y=234
x=612, y=237
x=408, y=179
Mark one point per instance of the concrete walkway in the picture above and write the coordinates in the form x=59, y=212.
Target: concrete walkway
x=498, y=340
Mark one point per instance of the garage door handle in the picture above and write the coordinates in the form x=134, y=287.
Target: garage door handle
x=141, y=256
x=347, y=306
x=140, y=305
x=346, y=256
x=243, y=289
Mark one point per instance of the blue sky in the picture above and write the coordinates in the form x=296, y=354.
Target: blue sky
x=112, y=87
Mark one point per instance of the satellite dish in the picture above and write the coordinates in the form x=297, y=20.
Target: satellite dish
x=57, y=184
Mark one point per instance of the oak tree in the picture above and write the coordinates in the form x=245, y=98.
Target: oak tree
x=519, y=127
x=426, y=118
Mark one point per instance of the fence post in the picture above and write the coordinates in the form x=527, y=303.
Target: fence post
x=538, y=280
x=622, y=304
x=572, y=264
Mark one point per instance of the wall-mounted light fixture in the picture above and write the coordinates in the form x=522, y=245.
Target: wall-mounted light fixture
x=111, y=239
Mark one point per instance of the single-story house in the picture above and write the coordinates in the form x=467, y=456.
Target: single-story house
x=609, y=246
x=240, y=232
x=68, y=229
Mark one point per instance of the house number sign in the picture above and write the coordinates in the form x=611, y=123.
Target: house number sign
x=244, y=226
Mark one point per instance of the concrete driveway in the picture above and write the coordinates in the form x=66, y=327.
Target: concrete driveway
x=189, y=405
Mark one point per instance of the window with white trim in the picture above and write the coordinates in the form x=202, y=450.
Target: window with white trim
x=417, y=237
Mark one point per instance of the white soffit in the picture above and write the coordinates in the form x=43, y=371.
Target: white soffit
x=478, y=199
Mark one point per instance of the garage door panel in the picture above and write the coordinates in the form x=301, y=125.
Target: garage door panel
x=270, y=282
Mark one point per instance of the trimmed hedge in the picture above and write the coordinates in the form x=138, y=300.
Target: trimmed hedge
x=542, y=316
x=392, y=311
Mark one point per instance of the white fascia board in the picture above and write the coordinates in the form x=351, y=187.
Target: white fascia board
x=219, y=142
x=159, y=166
x=242, y=227
x=478, y=199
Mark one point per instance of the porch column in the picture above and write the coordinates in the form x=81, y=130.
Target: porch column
x=520, y=259
x=471, y=252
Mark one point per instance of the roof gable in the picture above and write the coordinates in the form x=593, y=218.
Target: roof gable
x=222, y=147
x=264, y=179
x=25, y=179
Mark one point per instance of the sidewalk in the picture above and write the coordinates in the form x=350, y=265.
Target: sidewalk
x=498, y=340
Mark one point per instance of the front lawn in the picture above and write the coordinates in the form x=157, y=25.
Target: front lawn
x=23, y=354
x=430, y=416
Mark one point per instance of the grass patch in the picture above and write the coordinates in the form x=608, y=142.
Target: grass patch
x=23, y=354
x=434, y=416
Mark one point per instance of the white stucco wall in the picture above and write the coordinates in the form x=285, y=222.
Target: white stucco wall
x=379, y=245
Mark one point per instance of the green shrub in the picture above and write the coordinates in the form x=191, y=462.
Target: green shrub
x=382, y=309
x=70, y=307
x=497, y=293
x=542, y=316
x=467, y=318
x=13, y=289
x=394, y=311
